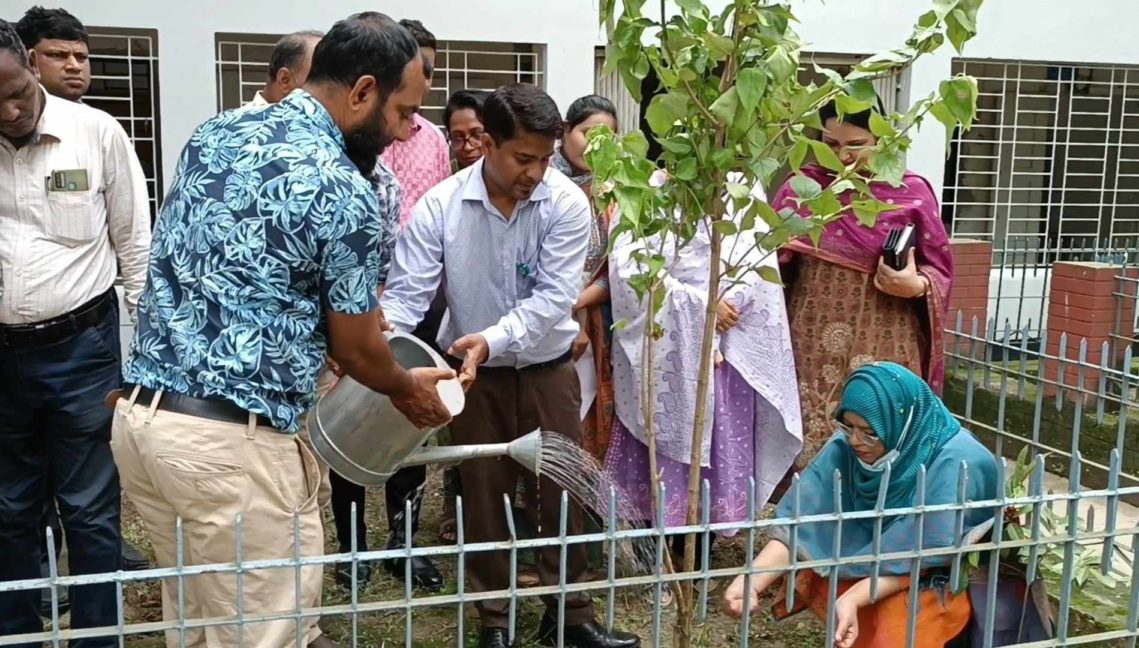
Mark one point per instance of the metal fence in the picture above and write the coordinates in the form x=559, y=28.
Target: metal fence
x=1080, y=469
x=1021, y=273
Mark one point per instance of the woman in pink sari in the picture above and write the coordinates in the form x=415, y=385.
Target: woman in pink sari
x=847, y=307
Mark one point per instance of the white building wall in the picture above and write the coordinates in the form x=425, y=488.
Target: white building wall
x=186, y=30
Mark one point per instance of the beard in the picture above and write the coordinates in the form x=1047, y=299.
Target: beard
x=364, y=145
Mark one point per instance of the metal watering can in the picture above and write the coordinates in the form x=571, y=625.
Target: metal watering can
x=365, y=439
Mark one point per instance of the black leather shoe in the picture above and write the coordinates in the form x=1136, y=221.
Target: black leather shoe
x=133, y=558
x=45, y=601
x=424, y=575
x=344, y=575
x=45, y=595
x=495, y=638
x=586, y=635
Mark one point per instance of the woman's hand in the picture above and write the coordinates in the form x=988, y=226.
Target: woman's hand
x=580, y=344
x=905, y=283
x=845, y=622
x=727, y=315
x=737, y=602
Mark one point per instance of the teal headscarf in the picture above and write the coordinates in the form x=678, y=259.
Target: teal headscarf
x=909, y=419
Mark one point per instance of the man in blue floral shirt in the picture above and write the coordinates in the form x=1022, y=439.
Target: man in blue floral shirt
x=266, y=259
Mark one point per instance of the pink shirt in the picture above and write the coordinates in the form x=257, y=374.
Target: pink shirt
x=419, y=164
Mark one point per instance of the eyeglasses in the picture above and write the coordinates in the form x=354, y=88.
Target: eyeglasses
x=474, y=139
x=866, y=434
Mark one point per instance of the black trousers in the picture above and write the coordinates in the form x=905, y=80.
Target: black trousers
x=407, y=484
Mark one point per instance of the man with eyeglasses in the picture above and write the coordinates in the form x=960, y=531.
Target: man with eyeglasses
x=463, y=120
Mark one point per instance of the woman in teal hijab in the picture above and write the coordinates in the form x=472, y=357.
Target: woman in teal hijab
x=890, y=426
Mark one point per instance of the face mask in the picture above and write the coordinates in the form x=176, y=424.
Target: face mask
x=889, y=457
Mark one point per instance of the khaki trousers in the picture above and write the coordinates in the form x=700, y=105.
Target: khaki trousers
x=207, y=473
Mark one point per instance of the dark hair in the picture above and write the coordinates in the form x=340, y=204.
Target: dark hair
x=859, y=119
x=465, y=100
x=10, y=41
x=588, y=106
x=521, y=106
x=39, y=24
x=423, y=37
x=290, y=51
x=368, y=43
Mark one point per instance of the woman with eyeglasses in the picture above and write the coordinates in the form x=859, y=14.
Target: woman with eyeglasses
x=890, y=426
x=846, y=304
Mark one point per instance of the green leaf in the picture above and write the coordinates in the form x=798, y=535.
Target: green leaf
x=724, y=108
x=751, y=83
x=686, y=170
x=780, y=65
x=850, y=105
x=770, y=275
x=940, y=111
x=825, y=156
x=888, y=166
x=738, y=191
x=690, y=6
x=725, y=227
x=765, y=168
x=677, y=144
x=719, y=46
x=975, y=559
x=806, y=188
x=636, y=143
x=880, y=126
x=960, y=97
x=862, y=90
x=767, y=213
x=798, y=153
x=825, y=204
x=665, y=110
x=867, y=210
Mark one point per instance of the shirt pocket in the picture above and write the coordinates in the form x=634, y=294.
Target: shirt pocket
x=72, y=218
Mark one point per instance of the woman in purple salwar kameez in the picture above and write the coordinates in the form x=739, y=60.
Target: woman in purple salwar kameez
x=754, y=426
x=846, y=307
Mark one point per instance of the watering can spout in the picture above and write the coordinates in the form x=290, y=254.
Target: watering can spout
x=526, y=450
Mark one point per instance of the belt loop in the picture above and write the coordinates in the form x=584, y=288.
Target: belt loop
x=154, y=405
x=133, y=396
x=251, y=426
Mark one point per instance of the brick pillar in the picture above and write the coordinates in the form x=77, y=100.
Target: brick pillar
x=1082, y=303
x=972, y=265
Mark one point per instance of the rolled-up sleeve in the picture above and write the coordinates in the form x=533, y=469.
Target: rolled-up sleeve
x=417, y=266
x=128, y=211
x=560, y=260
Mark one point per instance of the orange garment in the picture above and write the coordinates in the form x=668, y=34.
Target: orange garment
x=942, y=615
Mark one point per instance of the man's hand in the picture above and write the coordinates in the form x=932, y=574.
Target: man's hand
x=905, y=283
x=727, y=315
x=580, y=344
x=474, y=351
x=420, y=402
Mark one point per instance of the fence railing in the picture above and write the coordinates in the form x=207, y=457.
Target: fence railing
x=1064, y=515
x=1021, y=273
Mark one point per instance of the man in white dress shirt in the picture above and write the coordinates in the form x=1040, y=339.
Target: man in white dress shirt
x=74, y=214
x=509, y=234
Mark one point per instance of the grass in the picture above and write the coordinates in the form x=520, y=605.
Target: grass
x=436, y=627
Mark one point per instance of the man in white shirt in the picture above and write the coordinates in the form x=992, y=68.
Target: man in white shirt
x=509, y=234
x=57, y=44
x=288, y=67
x=74, y=214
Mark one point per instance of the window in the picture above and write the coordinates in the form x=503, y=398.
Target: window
x=243, y=66
x=124, y=83
x=1052, y=162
